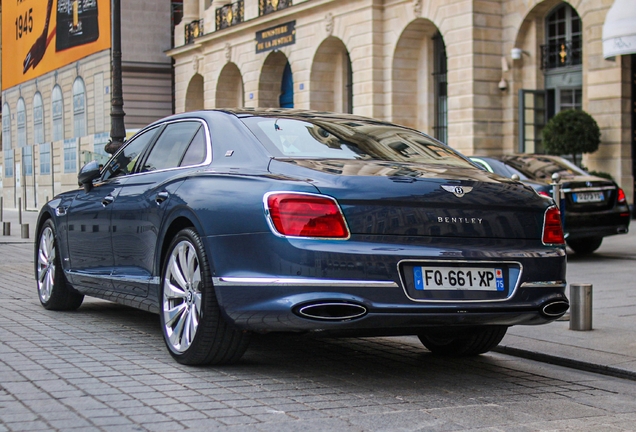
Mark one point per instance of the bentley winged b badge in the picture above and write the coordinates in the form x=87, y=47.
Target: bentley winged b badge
x=458, y=191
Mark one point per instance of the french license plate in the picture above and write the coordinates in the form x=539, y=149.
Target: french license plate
x=588, y=197
x=458, y=278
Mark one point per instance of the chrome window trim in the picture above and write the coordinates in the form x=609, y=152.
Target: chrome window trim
x=208, y=143
x=270, y=222
x=306, y=282
x=468, y=262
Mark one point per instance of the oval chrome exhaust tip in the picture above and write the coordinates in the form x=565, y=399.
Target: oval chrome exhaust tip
x=622, y=230
x=332, y=311
x=555, y=309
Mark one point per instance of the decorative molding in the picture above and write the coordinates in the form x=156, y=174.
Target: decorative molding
x=329, y=23
x=197, y=62
x=228, y=52
x=417, y=8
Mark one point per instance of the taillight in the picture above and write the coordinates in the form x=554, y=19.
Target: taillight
x=544, y=193
x=552, y=229
x=306, y=215
x=622, y=199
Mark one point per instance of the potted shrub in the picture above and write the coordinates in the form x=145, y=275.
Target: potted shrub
x=571, y=132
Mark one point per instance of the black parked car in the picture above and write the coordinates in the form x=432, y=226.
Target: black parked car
x=595, y=207
x=228, y=223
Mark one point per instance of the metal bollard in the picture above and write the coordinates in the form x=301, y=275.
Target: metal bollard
x=25, y=231
x=6, y=228
x=581, y=306
x=20, y=211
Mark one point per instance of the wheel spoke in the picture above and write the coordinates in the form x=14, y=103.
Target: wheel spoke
x=176, y=267
x=173, y=314
x=171, y=291
x=177, y=332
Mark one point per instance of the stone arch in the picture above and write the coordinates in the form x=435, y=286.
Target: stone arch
x=270, y=80
x=194, y=94
x=229, y=88
x=331, y=86
x=413, y=102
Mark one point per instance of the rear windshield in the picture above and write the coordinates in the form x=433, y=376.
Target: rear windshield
x=542, y=168
x=347, y=139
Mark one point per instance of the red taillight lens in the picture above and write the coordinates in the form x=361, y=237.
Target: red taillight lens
x=301, y=215
x=544, y=193
x=552, y=229
x=622, y=199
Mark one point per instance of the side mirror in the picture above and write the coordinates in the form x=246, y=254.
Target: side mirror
x=87, y=174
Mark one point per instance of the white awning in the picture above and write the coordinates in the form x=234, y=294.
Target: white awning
x=619, y=29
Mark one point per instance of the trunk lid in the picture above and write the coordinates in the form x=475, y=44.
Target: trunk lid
x=389, y=198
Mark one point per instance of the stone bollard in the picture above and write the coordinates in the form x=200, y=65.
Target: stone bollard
x=581, y=306
x=6, y=228
x=25, y=231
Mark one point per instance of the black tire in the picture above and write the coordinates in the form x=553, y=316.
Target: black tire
x=194, y=329
x=585, y=246
x=465, y=343
x=54, y=291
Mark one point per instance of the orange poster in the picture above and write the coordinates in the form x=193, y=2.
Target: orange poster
x=39, y=36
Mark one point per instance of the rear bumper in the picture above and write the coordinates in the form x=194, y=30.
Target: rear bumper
x=275, y=304
x=264, y=283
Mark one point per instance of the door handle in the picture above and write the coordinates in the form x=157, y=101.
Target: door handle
x=108, y=199
x=161, y=197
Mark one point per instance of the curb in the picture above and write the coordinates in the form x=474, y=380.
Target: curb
x=566, y=362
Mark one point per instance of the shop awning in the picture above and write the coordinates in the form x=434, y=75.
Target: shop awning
x=619, y=29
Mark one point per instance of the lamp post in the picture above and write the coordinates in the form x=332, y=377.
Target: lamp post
x=117, y=128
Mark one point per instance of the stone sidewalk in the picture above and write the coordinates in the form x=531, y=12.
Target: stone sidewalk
x=610, y=348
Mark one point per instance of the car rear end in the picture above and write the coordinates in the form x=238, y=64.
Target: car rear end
x=392, y=247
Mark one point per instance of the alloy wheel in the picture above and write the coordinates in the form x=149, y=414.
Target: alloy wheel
x=46, y=264
x=182, y=296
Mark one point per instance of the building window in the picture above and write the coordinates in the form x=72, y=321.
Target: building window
x=70, y=156
x=27, y=160
x=440, y=128
x=38, y=119
x=8, y=163
x=6, y=127
x=286, y=98
x=21, y=114
x=79, y=108
x=57, y=110
x=532, y=120
x=564, y=45
x=45, y=159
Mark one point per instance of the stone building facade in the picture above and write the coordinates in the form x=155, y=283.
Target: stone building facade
x=53, y=124
x=481, y=75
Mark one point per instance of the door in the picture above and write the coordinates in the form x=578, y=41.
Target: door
x=140, y=208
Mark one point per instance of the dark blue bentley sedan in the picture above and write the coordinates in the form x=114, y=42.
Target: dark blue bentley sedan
x=233, y=222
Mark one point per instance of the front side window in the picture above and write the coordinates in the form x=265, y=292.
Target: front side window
x=342, y=139
x=6, y=127
x=79, y=108
x=38, y=119
x=57, y=113
x=123, y=163
x=171, y=146
x=21, y=114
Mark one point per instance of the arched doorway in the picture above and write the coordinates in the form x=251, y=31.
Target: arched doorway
x=276, y=83
x=332, y=78
x=418, y=79
x=553, y=81
x=229, y=88
x=194, y=94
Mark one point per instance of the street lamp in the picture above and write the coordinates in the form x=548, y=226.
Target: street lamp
x=117, y=128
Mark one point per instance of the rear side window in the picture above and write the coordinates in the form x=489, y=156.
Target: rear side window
x=169, y=150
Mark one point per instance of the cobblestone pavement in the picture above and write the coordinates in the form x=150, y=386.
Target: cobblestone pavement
x=105, y=367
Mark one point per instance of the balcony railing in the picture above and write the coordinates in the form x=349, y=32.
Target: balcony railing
x=230, y=15
x=193, y=31
x=561, y=54
x=268, y=6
